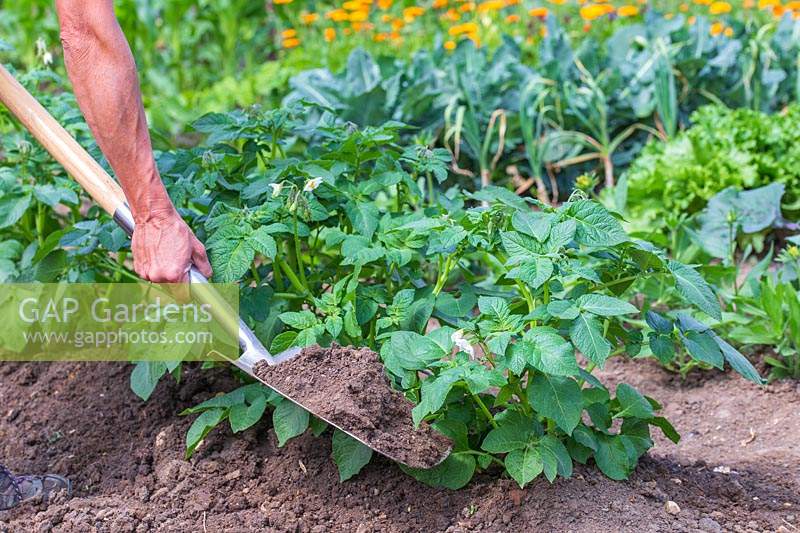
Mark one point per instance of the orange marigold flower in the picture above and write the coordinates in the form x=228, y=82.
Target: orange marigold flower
x=288, y=34
x=467, y=6
x=337, y=15
x=396, y=37
x=778, y=11
x=347, y=31
x=309, y=18
x=449, y=45
x=540, y=12
x=397, y=24
x=717, y=28
x=511, y=2
x=329, y=34
x=461, y=29
x=439, y=4
x=513, y=18
x=474, y=38
x=380, y=37
x=763, y=4
x=748, y=4
x=592, y=11
x=280, y=2
x=385, y=4
x=703, y=2
x=410, y=13
x=291, y=43
x=587, y=26
x=796, y=15
x=719, y=8
x=691, y=20
x=490, y=5
x=683, y=8
x=627, y=11
x=557, y=2
x=794, y=5
x=358, y=16
x=352, y=5
x=452, y=15
x=386, y=17
x=728, y=32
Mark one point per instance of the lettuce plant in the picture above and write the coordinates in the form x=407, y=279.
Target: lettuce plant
x=742, y=149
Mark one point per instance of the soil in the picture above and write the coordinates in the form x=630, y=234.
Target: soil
x=348, y=388
x=736, y=469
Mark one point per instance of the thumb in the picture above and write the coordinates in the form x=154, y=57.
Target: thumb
x=200, y=259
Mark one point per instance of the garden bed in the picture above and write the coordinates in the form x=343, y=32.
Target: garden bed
x=736, y=469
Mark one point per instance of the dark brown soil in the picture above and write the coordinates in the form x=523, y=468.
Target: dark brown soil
x=348, y=387
x=736, y=469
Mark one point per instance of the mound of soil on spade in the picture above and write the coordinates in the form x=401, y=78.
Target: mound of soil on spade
x=737, y=467
x=349, y=388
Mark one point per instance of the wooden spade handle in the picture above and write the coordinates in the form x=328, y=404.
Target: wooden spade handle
x=60, y=144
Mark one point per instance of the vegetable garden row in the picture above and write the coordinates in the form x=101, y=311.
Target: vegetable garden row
x=497, y=215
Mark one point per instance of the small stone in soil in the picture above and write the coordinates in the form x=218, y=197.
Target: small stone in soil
x=709, y=525
x=671, y=507
x=349, y=388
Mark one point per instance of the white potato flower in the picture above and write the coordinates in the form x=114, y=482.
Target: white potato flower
x=312, y=184
x=276, y=188
x=462, y=343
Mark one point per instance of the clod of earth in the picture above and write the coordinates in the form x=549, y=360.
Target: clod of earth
x=348, y=387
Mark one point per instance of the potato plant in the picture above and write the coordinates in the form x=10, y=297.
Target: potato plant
x=44, y=234
x=488, y=310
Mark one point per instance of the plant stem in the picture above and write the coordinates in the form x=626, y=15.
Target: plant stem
x=292, y=277
x=40, y=214
x=443, y=276
x=255, y=274
x=277, y=277
x=298, y=254
x=287, y=296
x=484, y=409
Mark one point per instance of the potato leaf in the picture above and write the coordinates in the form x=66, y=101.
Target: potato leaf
x=349, y=455
x=694, y=288
x=289, y=420
x=558, y=398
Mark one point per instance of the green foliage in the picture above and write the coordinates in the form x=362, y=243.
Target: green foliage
x=44, y=235
x=349, y=454
x=363, y=252
x=737, y=149
x=242, y=408
x=768, y=315
x=574, y=105
x=481, y=304
x=188, y=53
x=734, y=217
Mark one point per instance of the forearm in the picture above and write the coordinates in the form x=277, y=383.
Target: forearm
x=103, y=74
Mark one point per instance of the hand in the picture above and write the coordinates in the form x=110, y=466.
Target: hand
x=164, y=248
